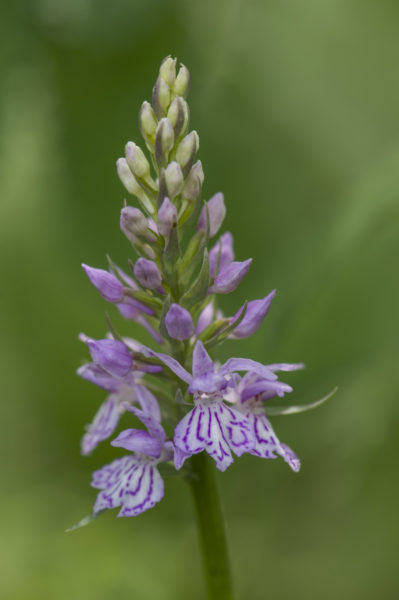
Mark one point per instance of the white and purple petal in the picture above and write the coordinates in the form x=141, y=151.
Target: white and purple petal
x=103, y=425
x=216, y=428
x=130, y=482
x=267, y=444
x=249, y=365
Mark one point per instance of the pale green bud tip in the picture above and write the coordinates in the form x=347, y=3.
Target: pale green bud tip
x=187, y=148
x=168, y=70
x=160, y=97
x=127, y=177
x=173, y=179
x=194, y=181
x=147, y=120
x=178, y=115
x=164, y=141
x=136, y=160
x=182, y=82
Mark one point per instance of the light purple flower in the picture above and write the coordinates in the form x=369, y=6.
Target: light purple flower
x=253, y=318
x=248, y=396
x=123, y=391
x=226, y=272
x=106, y=283
x=216, y=212
x=133, y=481
x=212, y=425
x=179, y=323
x=205, y=318
x=147, y=273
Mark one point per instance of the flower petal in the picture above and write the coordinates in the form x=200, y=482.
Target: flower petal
x=222, y=254
x=138, y=440
x=217, y=213
x=111, y=355
x=247, y=364
x=254, y=315
x=267, y=444
x=129, y=482
x=170, y=362
x=106, y=283
x=202, y=362
x=205, y=318
x=229, y=278
x=148, y=402
x=103, y=425
x=97, y=375
x=277, y=388
x=179, y=323
x=216, y=428
x=153, y=425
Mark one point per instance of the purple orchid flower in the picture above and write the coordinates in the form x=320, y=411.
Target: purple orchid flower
x=125, y=388
x=248, y=395
x=212, y=425
x=133, y=481
x=227, y=273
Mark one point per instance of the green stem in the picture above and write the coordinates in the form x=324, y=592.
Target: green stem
x=211, y=528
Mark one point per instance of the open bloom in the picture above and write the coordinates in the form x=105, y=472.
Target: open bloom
x=226, y=272
x=133, y=481
x=125, y=387
x=249, y=394
x=212, y=425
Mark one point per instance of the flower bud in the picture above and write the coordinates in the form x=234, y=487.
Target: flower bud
x=186, y=151
x=182, y=82
x=167, y=70
x=173, y=179
x=106, y=283
x=216, y=212
x=160, y=97
x=134, y=223
x=178, y=115
x=167, y=216
x=179, y=323
x=192, y=185
x=147, y=273
x=127, y=178
x=137, y=161
x=113, y=356
x=147, y=120
x=164, y=141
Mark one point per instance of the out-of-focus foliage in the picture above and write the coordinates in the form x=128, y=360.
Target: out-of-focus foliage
x=297, y=104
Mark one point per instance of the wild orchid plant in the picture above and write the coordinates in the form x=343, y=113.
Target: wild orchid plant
x=189, y=405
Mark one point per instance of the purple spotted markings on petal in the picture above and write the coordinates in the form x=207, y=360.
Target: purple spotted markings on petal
x=216, y=428
x=102, y=426
x=132, y=482
x=267, y=444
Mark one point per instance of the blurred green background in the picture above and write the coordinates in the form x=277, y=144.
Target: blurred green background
x=296, y=103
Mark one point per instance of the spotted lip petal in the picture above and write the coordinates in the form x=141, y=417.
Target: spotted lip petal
x=216, y=428
x=129, y=482
x=267, y=444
